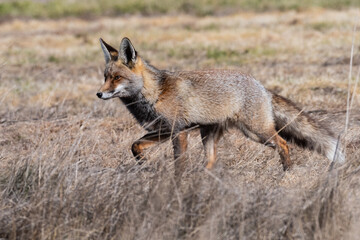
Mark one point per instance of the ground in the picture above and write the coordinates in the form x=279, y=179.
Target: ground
x=66, y=169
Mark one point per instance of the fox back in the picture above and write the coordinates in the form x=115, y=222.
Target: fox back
x=212, y=96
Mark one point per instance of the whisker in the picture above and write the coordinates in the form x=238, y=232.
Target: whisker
x=152, y=122
x=132, y=103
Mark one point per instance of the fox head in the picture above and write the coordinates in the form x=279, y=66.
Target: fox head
x=121, y=78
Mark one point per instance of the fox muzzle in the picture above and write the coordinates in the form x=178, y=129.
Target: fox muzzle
x=99, y=94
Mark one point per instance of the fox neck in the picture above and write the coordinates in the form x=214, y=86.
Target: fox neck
x=151, y=78
x=143, y=112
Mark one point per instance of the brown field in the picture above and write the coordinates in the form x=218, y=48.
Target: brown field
x=66, y=169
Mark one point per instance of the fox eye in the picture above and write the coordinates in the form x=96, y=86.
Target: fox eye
x=116, y=77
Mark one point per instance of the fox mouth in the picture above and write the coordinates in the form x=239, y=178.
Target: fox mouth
x=118, y=92
x=112, y=94
x=106, y=95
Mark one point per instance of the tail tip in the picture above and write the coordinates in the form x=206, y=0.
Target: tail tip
x=335, y=154
x=339, y=157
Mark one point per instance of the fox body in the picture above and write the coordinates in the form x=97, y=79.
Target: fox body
x=168, y=103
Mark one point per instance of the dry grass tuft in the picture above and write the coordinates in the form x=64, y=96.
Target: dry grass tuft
x=60, y=198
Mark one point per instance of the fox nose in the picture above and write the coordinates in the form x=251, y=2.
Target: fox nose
x=99, y=94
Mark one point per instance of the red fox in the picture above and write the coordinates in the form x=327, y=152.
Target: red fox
x=167, y=104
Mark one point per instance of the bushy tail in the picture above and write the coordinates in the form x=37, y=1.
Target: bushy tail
x=300, y=128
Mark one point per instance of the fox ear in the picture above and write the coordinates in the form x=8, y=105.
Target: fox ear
x=128, y=53
x=110, y=53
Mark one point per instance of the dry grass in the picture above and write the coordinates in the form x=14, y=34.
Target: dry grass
x=66, y=170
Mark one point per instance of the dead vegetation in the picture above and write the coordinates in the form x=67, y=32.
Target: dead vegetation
x=66, y=169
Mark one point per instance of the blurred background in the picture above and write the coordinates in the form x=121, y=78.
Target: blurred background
x=66, y=169
x=97, y=8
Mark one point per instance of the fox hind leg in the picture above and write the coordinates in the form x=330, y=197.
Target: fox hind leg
x=275, y=141
x=283, y=151
x=270, y=138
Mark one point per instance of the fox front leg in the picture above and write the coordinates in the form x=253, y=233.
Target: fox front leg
x=210, y=136
x=180, y=147
x=145, y=142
